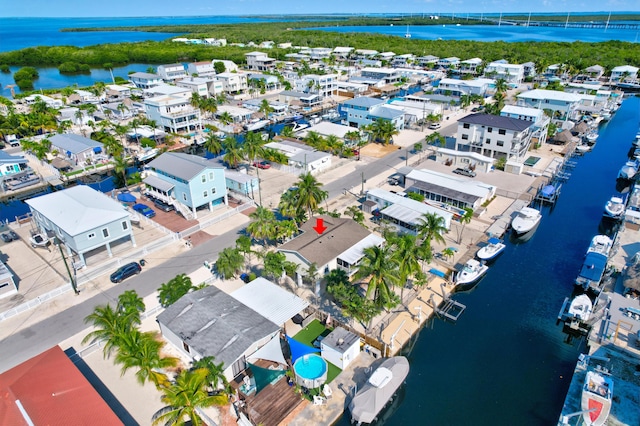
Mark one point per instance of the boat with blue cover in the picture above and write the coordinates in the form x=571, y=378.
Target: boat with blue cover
x=492, y=250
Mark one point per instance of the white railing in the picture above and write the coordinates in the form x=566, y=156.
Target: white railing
x=35, y=302
x=215, y=219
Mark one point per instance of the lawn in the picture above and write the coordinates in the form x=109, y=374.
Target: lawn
x=308, y=335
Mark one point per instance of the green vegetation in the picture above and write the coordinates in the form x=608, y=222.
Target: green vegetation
x=174, y=289
x=24, y=77
x=74, y=68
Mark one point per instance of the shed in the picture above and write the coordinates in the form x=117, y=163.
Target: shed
x=340, y=347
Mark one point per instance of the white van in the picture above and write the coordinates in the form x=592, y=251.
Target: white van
x=12, y=141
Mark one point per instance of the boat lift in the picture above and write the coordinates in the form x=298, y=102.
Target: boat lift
x=451, y=309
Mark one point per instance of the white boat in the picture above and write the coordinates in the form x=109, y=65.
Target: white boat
x=615, y=207
x=379, y=389
x=596, y=398
x=493, y=248
x=526, y=220
x=407, y=34
x=581, y=307
x=256, y=125
x=299, y=126
x=591, y=137
x=582, y=148
x=147, y=154
x=471, y=272
x=629, y=170
x=600, y=244
x=39, y=239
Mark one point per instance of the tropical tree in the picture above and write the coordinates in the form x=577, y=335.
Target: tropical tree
x=131, y=305
x=174, y=289
x=243, y=245
x=382, y=130
x=109, y=327
x=379, y=265
x=265, y=108
x=252, y=147
x=464, y=220
x=431, y=227
x=274, y=263
x=229, y=262
x=286, y=229
x=356, y=214
x=287, y=132
x=185, y=397
x=407, y=257
x=142, y=351
x=212, y=143
x=263, y=224
x=435, y=138
x=120, y=165
x=225, y=118
x=310, y=193
x=215, y=375
x=232, y=152
x=501, y=85
x=289, y=206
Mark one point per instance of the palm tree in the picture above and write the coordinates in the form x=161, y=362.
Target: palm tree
x=407, y=257
x=286, y=229
x=131, y=305
x=216, y=372
x=289, y=206
x=252, y=147
x=356, y=214
x=229, y=262
x=233, y=152
x=243, y=245
x=109, y=327
x=120, y=165
x=381, y=267
x=353, y=137
x=431, y=227
x=501, y=86
x=383, y=130
x=185, y=397
x=287, y=132
x=435, y=138
x=499, y=103
x=310, y=193
x=263, y=224
x=464, y=219
x=265, y=108
x=212, y=143
x=142, y=351
x=174, y=289
x=121, y=109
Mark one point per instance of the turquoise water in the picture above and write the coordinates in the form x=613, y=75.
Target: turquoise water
x=310, y=367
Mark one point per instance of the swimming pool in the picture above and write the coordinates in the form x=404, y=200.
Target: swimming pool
x=311, y=371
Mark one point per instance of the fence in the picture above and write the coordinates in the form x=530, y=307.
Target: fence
x=215, y=219
x=35, y=302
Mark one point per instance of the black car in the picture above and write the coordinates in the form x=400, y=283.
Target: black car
x=125, y=272
x=465, y=172
x=161, y=205
x=7, y=237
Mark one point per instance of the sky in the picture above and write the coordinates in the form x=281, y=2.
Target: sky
x=120, y=8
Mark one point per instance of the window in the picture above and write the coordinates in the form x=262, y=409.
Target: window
x=500, y=143
x=204, y=178
x=489, y=129
x=184, y=196
x=210, y=175
x=105, y=233
x=502, y=132
x=465, y=125
x=465, y=137
x=488, y=141
x=91, y=235
x=213, y=190
x=205, y=194
x=185, y=346
x=125, y=226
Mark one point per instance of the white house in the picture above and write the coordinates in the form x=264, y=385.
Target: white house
x=78, y=149
x=624, y=73
x=201, y=69
x=229, y=66
x=478, y=86
x=7, y=283
x=168, y=90
x=469, y=66
x=233, y=82
x=49, y=101
x=145, y=80
x=451, y=62
x=259, y=61
x=301, y=156
x=204, y=87
x=324, y=85
x=562, y=104
x=536, y=116
x=171, y=72
x=494, y=136
x=511, y=73
x=172, y=113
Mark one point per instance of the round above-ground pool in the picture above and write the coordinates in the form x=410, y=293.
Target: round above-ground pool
x=311, y=371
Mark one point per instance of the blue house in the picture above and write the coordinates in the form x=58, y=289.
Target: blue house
x=242, y=183
x=187, y=182
x=11, y=164
x=357, y=110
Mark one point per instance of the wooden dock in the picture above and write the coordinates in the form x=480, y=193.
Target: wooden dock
x=502, y=224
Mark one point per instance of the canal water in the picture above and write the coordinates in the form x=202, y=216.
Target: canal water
x=505, y=362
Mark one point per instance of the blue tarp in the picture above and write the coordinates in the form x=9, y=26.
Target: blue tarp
x=437, y=273
x=548, y=191
x=593, y=266
x=299, y=349
x=493, y=241
x=97, y=149
x=126, y=197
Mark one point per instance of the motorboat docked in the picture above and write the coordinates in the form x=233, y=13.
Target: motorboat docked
x=492, y=250
x=600, y=244
x=471, y=272
x=331, y=115
x=596, y=398
x=297, y=126
x=379, y=389
x=615, y=207
x=256, y=125
x=629, y=169
x=147, y=154
x=592, y=270
x=580, y=308
x=583, y=147
x=526, y=220
x=591, y=137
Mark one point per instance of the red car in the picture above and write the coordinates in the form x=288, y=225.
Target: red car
x=262, y=164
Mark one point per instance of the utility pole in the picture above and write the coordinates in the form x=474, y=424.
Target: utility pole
x=363, y=182
x=71, y=279
x=259, y=190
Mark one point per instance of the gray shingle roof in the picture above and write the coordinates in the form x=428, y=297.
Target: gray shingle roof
x=183, y=166
x=73, y=143
x=215, y=324
x=496, y=121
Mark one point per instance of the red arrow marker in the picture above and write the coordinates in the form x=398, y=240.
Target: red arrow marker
x=320, y=228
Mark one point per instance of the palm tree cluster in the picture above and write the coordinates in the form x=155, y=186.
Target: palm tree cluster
x=499, y=97
x=209, y=105
x=265, y=227
x=331, y=144
x=382, y=131
x=41, y=119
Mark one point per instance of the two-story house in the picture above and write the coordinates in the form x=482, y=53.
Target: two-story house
x=145, y=80
x=259, y=61
x=188, y=182
x=82, y=219
x=203, y=86
x=536, y=116
x=511, y=73
x=233, y=83
x=494, y=136
x=469, y=66
x=389, y=75
x=454, y=87
x=173, y=114
x=171, y=72
x=357, y=110
x=624, y=73
x=322, y=85
x=12, y=164
x=451, y=63
x=563, y=105
x=201, y=69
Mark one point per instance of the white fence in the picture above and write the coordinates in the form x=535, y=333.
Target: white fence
x=215, y=219
x=35, y=302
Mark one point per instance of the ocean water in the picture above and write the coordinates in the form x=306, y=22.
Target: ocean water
x=505, y=362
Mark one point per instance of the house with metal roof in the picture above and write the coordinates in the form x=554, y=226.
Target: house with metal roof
x=172, y=72
x=242, y=183
x=464, y=159
x=11, y=164
x=563, y=105
x=82, y=219
x=341, y=246
x=49, y=389
x=210, y=322
x=494, y=135
x=624, y=73
x=511, y=73
x=357, y=110
x=7, y=283
x=145, y=80
x=455, y=87
x=300, y=156
x=76, y=148
x=404, y=214
x=173, y=113
x=188, y=182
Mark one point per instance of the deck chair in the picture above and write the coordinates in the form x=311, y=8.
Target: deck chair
x=319, y=400
x=326, y=391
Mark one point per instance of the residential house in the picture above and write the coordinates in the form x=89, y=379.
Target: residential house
x=173, y=114
x=450, y=63
x=86, y=97
x=12, y=164
x=171, y=72
x=563, y=105
x=536, y=116
x=210, y=322
x=7, y=283
x=168, y=90
x=242, y=183
x=624, y=73
x=186, y=181
x=465, y=159
x=350, y=89
x=511, y=73
x=529, y=70
x=416, y=110
x=388, y=75
x=233, y=82
x=385, y=57
x=494, y=136
x=49, y=101
x=201, y=69
x=469, y=66
x=360, y=54
x=442, y=189
x=217, y=42
x=301, y=156
x=204, y=87
x=259, y=61
x=83, y=219
x=326, y=128
x=270, y=82
x=78, y=149
x=594, y=72
x=255, y=104
x=48, y=389
x=454, y=87
x=340, y=347
x=117, y=111
x=392, y=113
x=117, y=92
x=286, y=45
x=292, y=97
x=229, y=66
x=400, y=61
x=357, y=110
x=238, y=114
x=145, y=80
x=340, y=246
x=323, y=85
x=427, y=61
x=342, y=52
x=402, y=213
x=268, y=44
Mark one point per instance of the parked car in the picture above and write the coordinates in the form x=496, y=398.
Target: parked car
x=262, y=164
x=144, y=210
x=464, y=172
x=125, y=272
x=163, y=206
x=7, y=237
x=435, y=126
